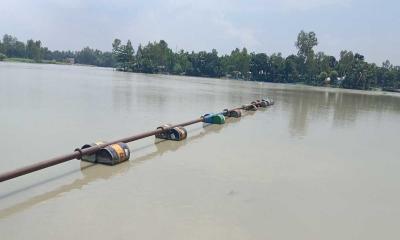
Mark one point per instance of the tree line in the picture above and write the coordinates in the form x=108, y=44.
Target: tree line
x=10, y=47
x=306, y=66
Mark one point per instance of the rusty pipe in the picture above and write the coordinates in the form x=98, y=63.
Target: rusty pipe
x=78, y=153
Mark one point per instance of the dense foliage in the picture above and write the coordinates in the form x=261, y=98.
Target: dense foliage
x=307, y=66
x=12, y=48
x=350, y=71
x=2, y=56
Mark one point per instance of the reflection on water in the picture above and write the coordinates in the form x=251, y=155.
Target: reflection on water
x=341, y=108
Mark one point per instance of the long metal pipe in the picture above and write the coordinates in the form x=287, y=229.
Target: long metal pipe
x=78, y=153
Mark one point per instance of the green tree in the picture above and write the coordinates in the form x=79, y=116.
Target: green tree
x=358, y=74
x=105, y=59
x=129, y=55
x=291, y=69
x=306, y=41
x=33, y=50
x=334, y=76
x=259, y=66
x=237, y=63
x=325, y=62
x=123, y=55
x=116, y=51
x=1, y=47
x=2, y=56
x=115, y=46
x=277, y=63
x=322, y=78
x=12, y=47
x=182, y=65
x=87, y=56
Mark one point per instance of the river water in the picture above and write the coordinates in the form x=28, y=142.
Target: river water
x=319, y=164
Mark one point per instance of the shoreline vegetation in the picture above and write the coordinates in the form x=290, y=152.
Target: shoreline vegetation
x=27, y=60
x=350, y=71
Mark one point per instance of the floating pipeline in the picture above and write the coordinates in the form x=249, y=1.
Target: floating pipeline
x=117, y=151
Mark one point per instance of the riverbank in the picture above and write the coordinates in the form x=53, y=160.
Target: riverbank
x=376, y=89
x=27, y=60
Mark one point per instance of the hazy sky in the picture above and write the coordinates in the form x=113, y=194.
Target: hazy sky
x=365, y=26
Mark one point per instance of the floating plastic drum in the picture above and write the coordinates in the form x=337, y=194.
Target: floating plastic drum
x=236, y=113
x=250, y=107
x=91, y=157
x=113, y=154
x=260, y=103
x=253, y=107
x=268, y=101
x=214, y=118
x=165, y=134
x=182, y=132
x=176, y=133
x=225, y=112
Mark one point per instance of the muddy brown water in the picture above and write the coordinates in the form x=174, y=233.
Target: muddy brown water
x=319, y=164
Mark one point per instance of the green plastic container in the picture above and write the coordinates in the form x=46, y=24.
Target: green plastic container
x=214, y=118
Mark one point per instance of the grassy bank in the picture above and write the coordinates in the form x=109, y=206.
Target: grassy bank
x=27, y=60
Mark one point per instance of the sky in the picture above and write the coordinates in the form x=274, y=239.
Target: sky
x=270, y=26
